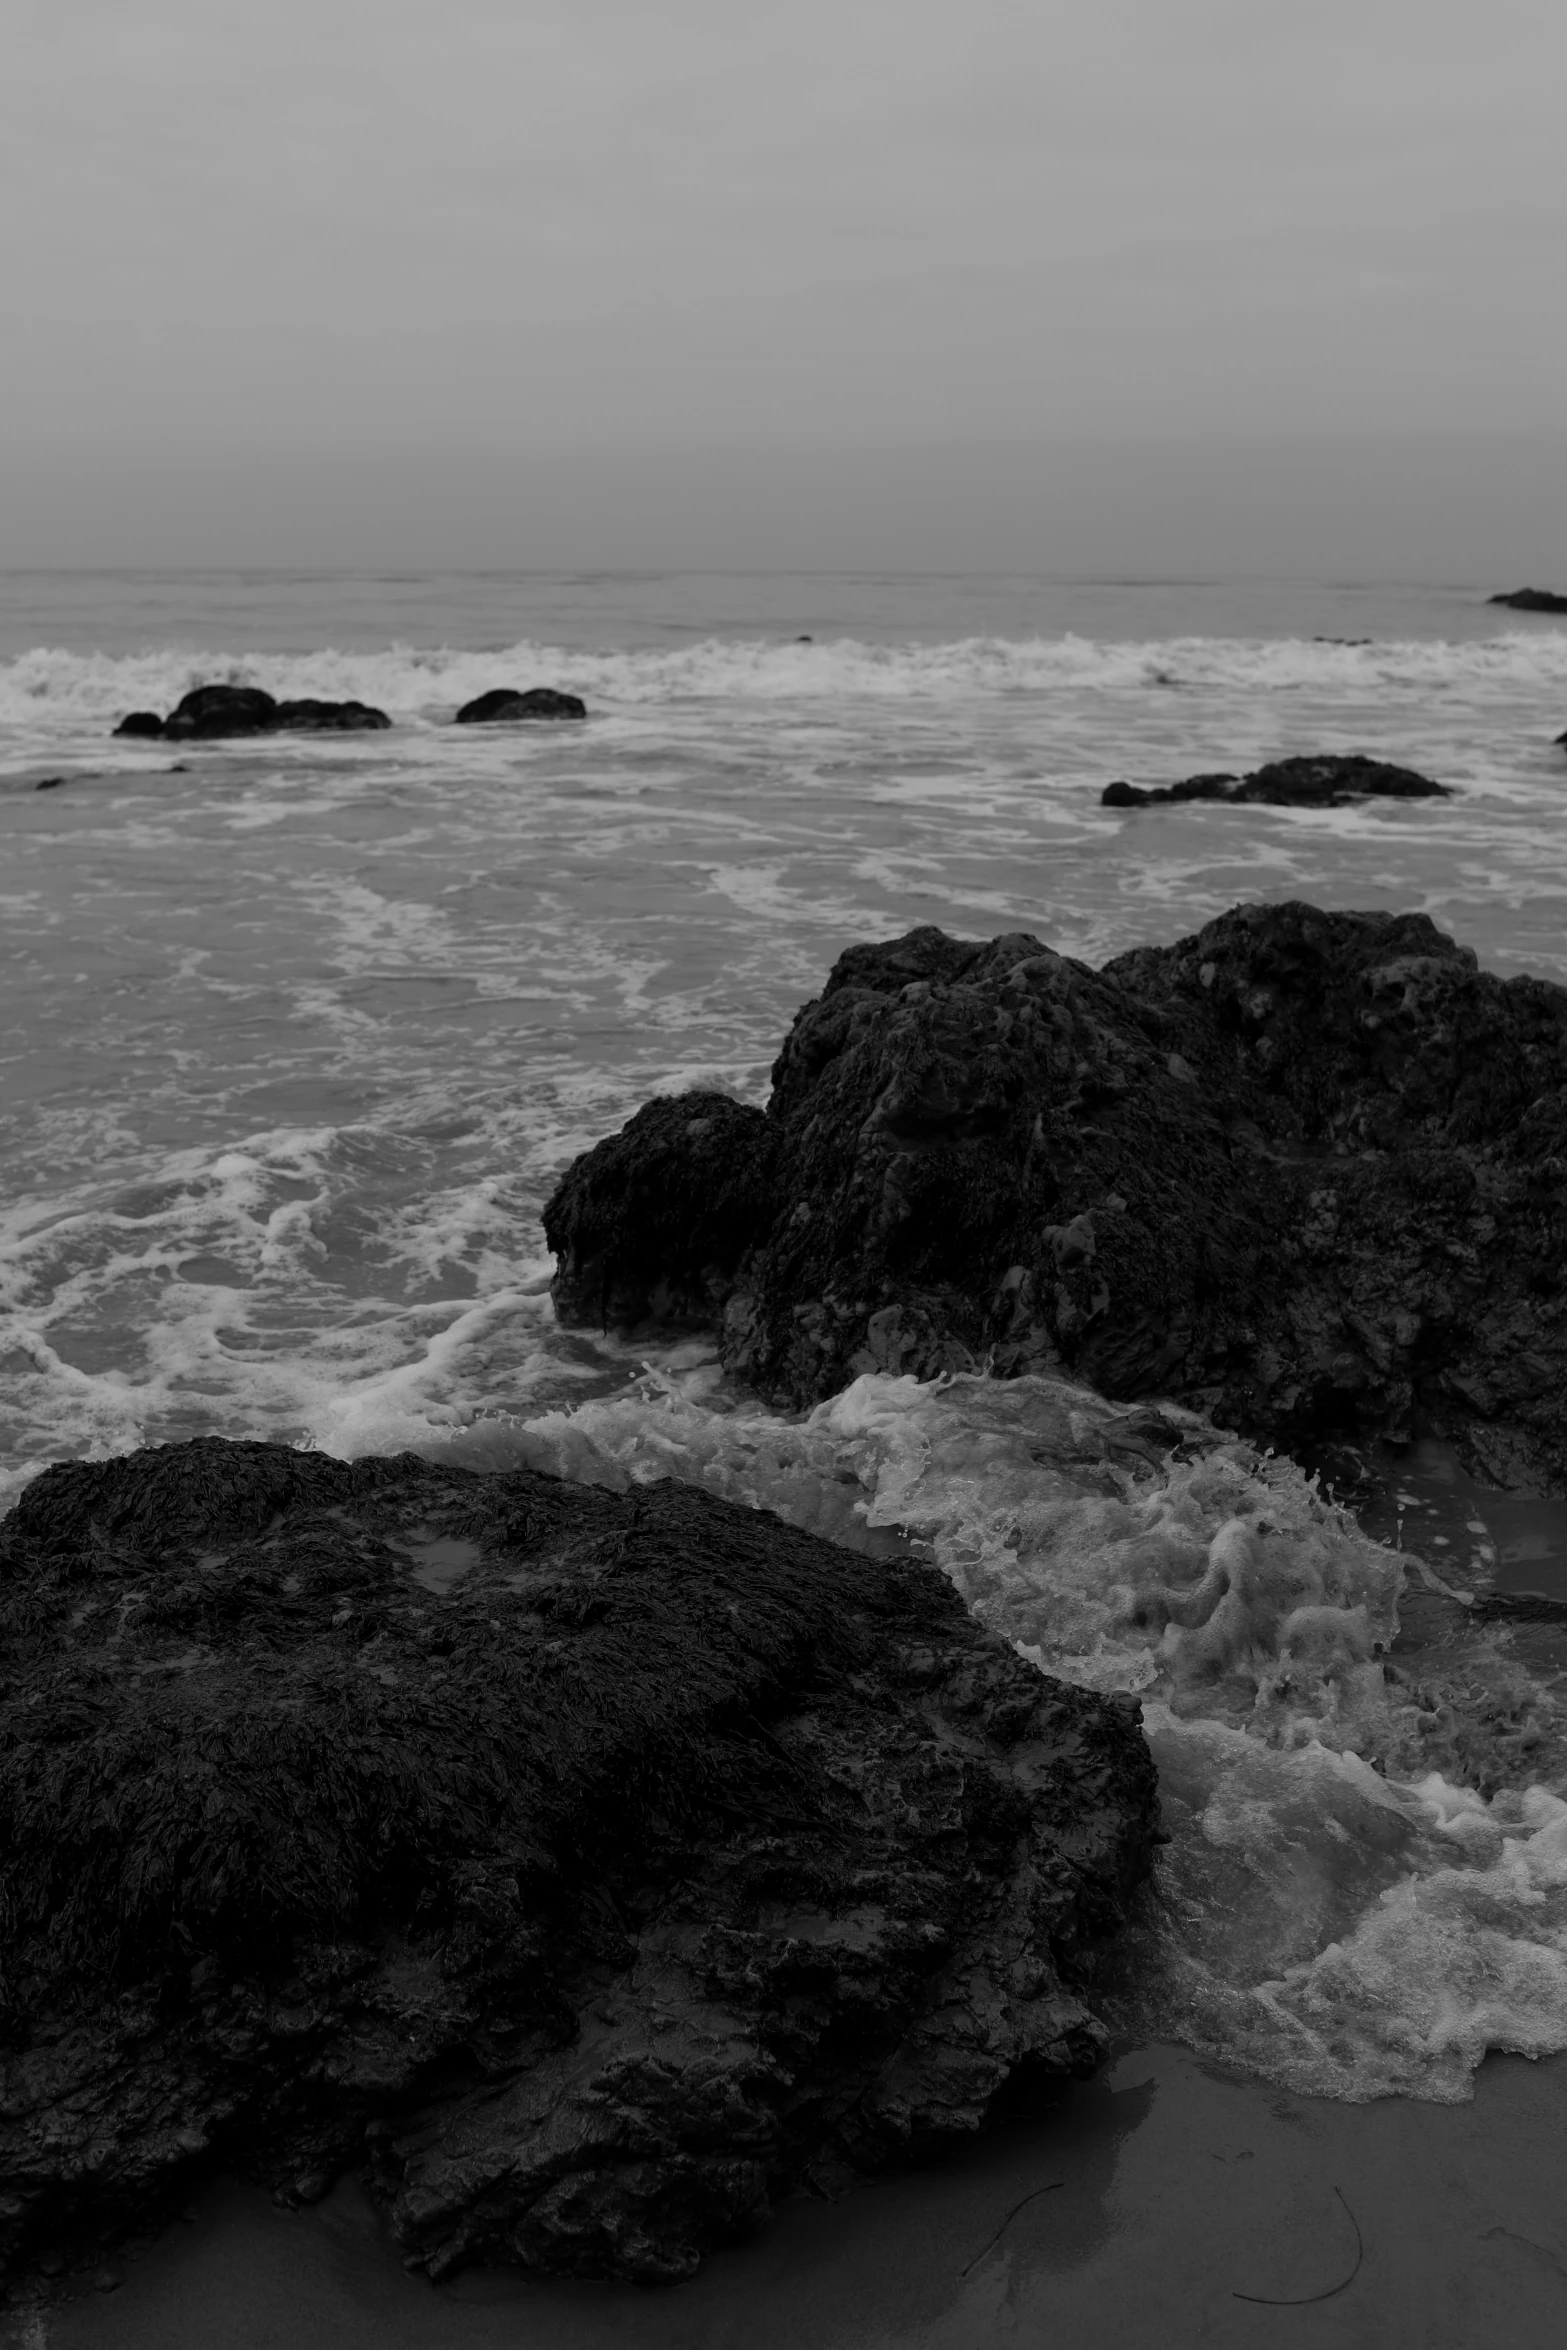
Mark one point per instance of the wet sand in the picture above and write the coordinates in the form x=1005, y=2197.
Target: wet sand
x=1168, y=2203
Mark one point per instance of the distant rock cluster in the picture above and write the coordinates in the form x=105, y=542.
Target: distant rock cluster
x=1531, y=600
x=213, y=713
x=1324, y=782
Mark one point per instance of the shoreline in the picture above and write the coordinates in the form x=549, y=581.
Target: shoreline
x=1195, y=2205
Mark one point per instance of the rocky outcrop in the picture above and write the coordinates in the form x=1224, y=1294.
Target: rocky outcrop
x=1324, y=782
x=1531, y=600
x=591, y=1867
x=501, y=705
x=1304, y=1171
x=213, y=712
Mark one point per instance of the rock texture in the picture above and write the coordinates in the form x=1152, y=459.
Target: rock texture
x=1324, y=782
x=1305, y=1171
x=501, y=705
x=212, y=712
x=1531, y=600
x=591, y=1867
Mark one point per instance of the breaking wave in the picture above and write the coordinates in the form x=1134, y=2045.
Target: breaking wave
x=53, y=687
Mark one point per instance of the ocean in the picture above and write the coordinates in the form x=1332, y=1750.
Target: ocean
x=297, y=1035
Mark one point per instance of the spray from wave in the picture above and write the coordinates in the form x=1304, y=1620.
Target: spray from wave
x=1366, y=1885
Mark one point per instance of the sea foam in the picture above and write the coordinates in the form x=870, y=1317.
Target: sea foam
x=1366, y=1884
x=57, y=689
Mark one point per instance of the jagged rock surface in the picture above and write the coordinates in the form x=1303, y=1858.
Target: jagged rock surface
x=594, y=1866
x=210, y=713
x=1327, y=781
x=503, y=704
x=1306, y=1171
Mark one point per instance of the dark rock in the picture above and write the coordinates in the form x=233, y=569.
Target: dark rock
x=1322, y=782
x=501, y=704
x=211, y=712
x=1531, y=600
x=1305, y=1171
x=215, y=710
x=595, y=1867
x=311, y=717
x=49, y=782
x=663, y=1214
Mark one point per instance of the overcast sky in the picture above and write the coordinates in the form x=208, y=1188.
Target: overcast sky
x=554, y=238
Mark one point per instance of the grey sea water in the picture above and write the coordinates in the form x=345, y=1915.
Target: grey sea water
x=295, y=1037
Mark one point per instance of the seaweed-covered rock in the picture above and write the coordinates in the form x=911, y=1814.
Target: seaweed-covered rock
x=1326, y=781
x=502, y=704
x=1531, y=600
x=211, y=712
x=593, y=1867
x=1306, y=1171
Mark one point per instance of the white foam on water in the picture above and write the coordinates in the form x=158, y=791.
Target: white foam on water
x=1342, y=1907
x=296, y=1286
x=419, y=684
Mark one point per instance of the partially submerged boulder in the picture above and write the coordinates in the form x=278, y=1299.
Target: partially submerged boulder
x=212, y=712
x=1531, y=600
x=593, y=1867
x=502, y=705
x=1305, y=1171
x=1327, y=781
x=315, y=717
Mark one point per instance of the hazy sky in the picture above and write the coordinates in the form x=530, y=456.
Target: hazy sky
x=569, y=241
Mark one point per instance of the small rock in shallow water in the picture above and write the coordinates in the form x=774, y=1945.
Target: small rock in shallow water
x=502, y=704
x=140, y=723
x=1321, y=782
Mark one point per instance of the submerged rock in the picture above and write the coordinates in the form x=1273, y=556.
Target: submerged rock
x=502, y=704
x=313, y=717
x=1531, y=600
x=1305, y=1171
x=1323, y=782
x=594, y=1867
x=211, y=712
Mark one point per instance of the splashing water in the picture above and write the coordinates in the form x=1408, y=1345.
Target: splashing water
x=1366, y=1884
